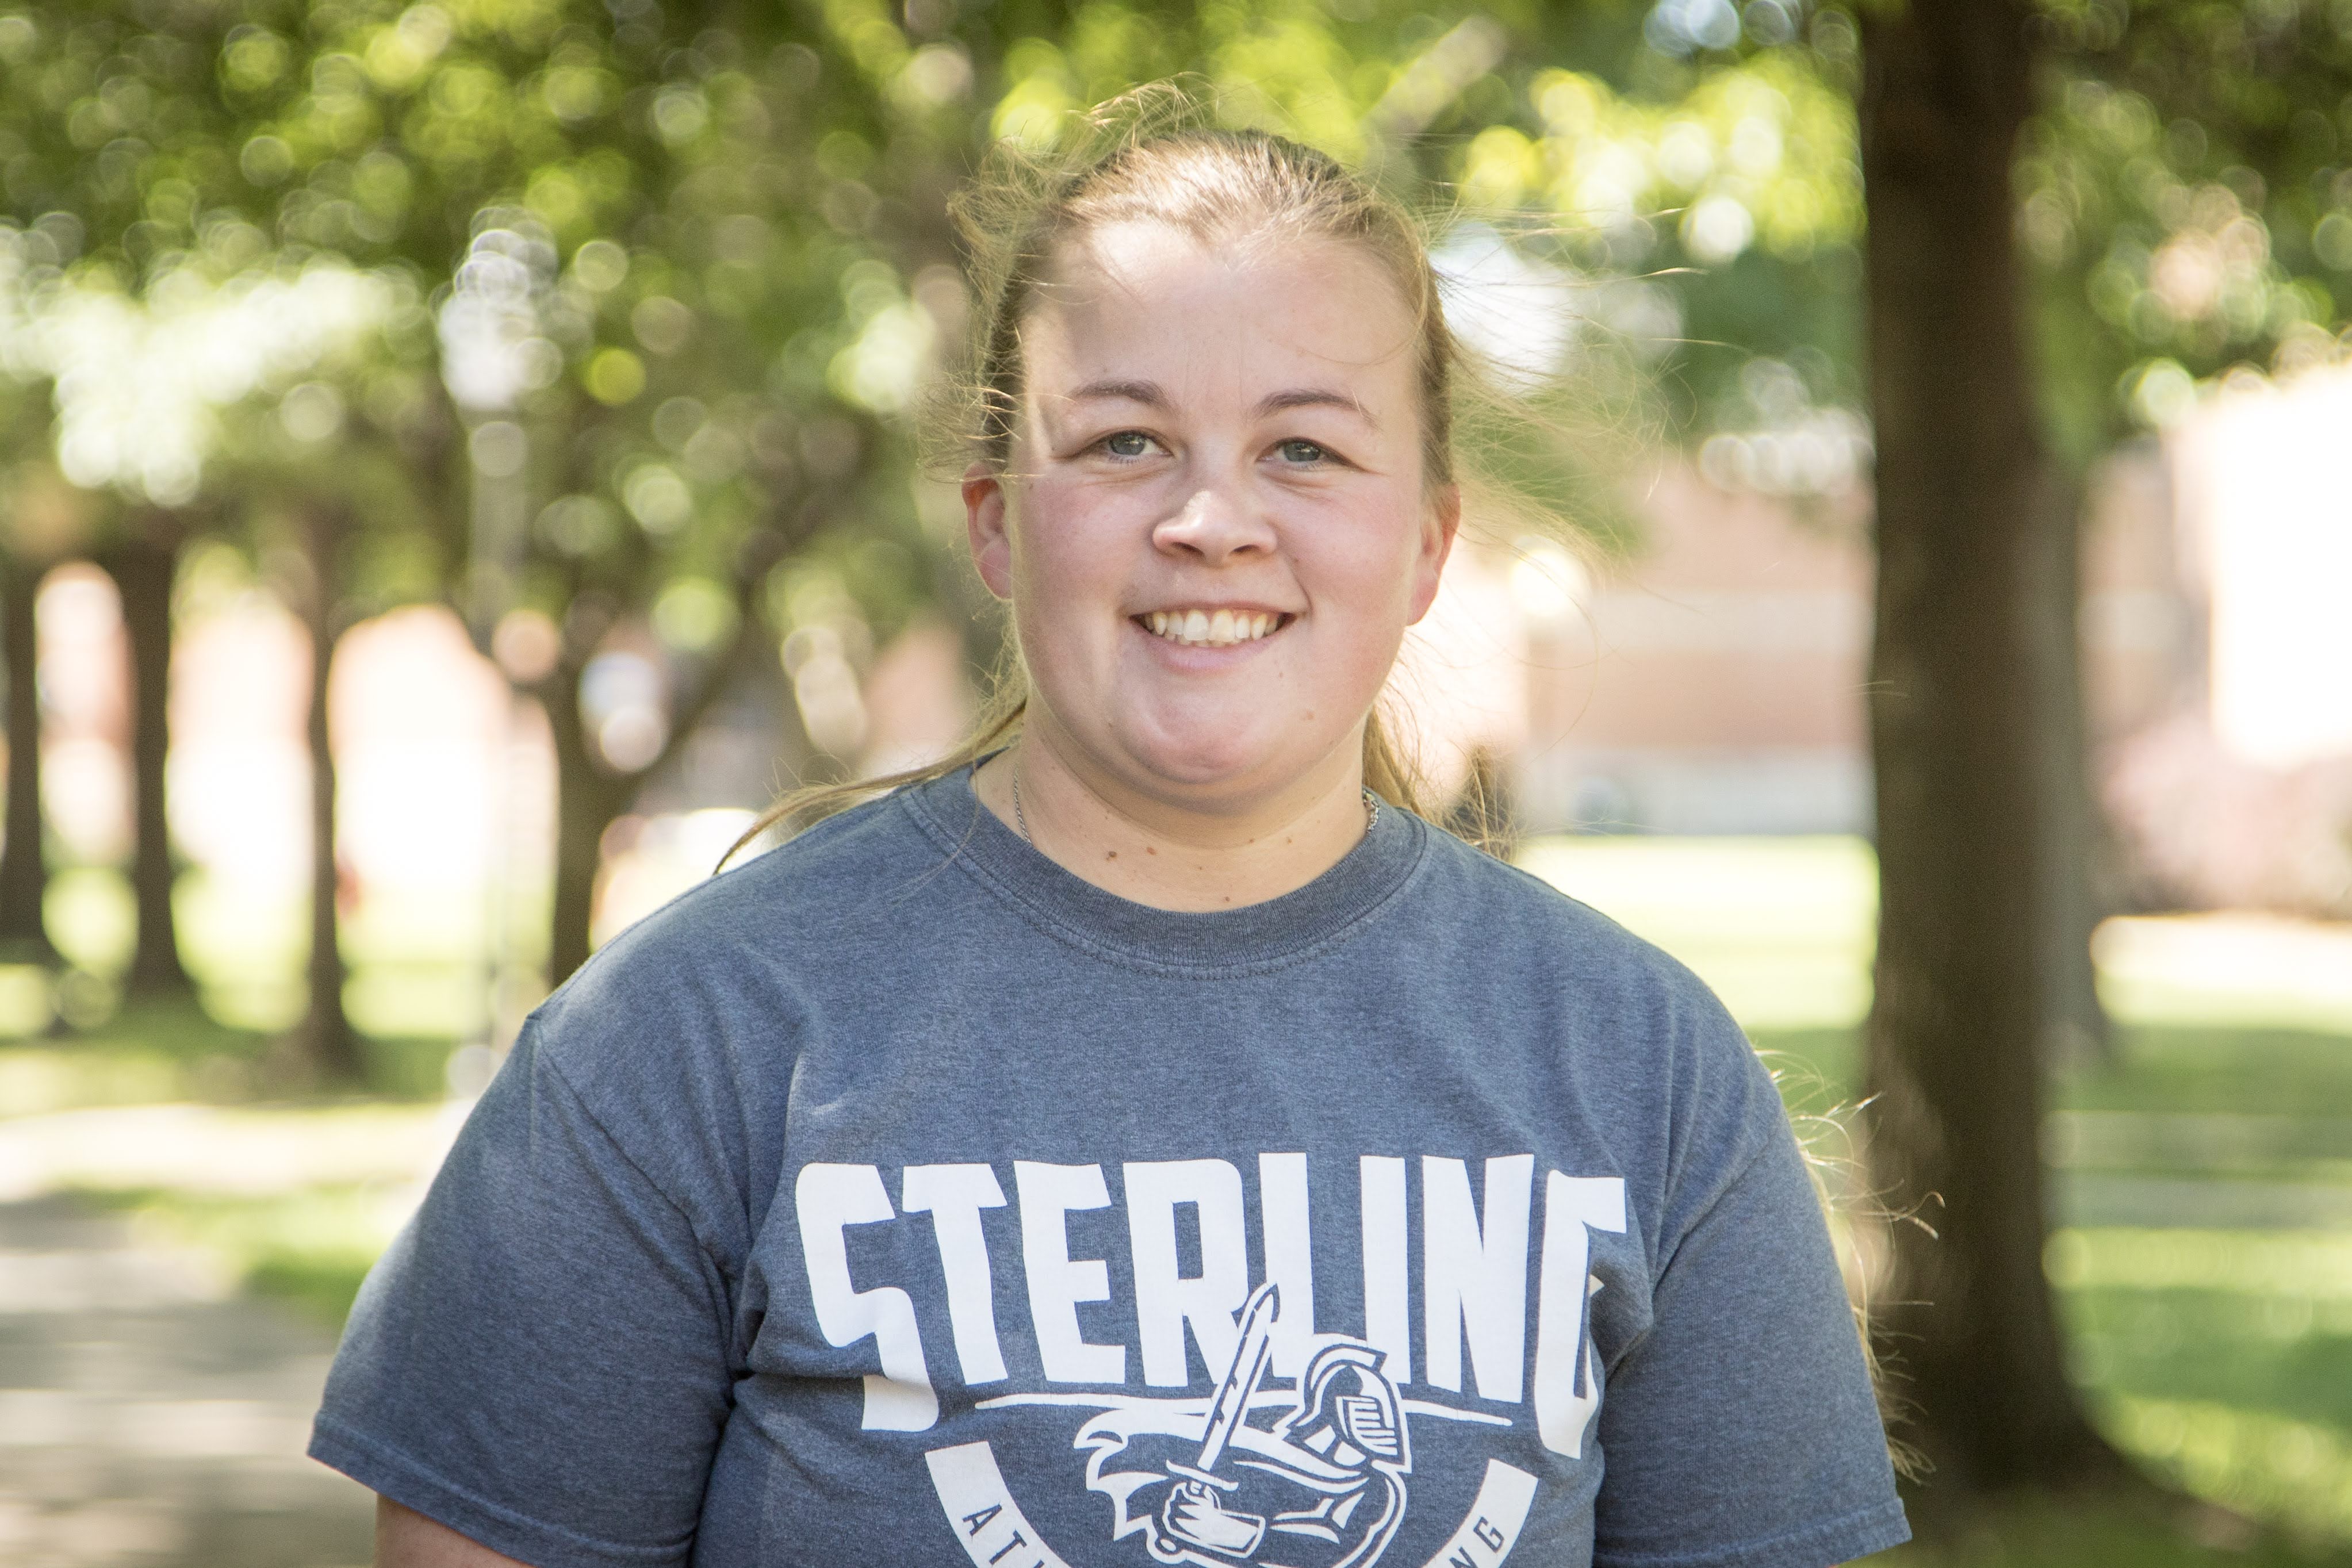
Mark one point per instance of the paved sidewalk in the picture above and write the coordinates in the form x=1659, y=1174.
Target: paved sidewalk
x=150, y=1417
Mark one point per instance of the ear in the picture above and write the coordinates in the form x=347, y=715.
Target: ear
x=984, y=523
x=1439, y=524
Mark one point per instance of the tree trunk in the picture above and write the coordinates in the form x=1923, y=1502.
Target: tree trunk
x=2075, y=1025
x=589, y=795
x=24, y=870
x=587, y=799
x=142, y=568
x=329, y=1044
x=1957, y=1029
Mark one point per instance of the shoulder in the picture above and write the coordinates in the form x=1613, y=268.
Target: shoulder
x=1641, y=1039
x=1515, y=924
x=679, y=1038
x=717, y=974
x=826, y=885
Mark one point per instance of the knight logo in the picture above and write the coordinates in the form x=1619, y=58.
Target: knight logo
x=1302, y=1452
x=1319, y=1485
x=1311, y=1475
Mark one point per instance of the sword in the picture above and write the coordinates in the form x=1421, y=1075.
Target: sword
x=1231, y=1404
x=1192, y=1516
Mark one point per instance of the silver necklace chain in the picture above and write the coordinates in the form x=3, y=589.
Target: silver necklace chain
x=1021, y=818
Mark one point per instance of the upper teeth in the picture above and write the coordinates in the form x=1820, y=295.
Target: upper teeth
x=1212, y=629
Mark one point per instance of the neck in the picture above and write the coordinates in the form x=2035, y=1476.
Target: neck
x=1163, y=852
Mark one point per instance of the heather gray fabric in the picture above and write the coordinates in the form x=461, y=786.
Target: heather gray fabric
x=899, y=1198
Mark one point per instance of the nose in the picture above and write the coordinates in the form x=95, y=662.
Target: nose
x=1214, y=525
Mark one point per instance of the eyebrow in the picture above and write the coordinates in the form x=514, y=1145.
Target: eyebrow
x=1150, y=395
x=1317, y=397
x=1145, y=392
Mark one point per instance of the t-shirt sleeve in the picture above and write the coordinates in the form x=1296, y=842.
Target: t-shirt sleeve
x=541, y=1361
x=1741, y=1431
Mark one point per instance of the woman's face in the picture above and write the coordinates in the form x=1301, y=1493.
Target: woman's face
x=1215, y=527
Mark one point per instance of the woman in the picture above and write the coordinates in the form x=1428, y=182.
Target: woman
x=1141, y=1142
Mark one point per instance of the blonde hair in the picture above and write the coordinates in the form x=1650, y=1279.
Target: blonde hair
x=1150, y=156
x=1210, y=185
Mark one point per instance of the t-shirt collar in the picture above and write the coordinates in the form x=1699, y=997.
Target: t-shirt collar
x=1279, y=930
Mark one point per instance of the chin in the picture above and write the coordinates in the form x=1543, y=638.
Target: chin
x=1208, y=754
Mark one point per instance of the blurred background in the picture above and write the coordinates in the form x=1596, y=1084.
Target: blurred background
x=457, y=463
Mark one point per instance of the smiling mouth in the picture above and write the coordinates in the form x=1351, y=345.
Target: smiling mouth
x=1211, y=628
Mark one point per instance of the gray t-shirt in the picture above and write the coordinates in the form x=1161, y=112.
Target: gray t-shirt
x=900, y=1198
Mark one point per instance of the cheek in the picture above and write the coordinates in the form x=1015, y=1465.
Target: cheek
x=1362, y=595
x=1373, y=569
x=1067, y=569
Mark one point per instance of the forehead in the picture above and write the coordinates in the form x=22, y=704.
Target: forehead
x=1148, y=299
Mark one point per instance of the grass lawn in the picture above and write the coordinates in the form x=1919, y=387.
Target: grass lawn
x=306, y=1241
x=2202, y=1178
x=310, y=1246
x=2044, y=1534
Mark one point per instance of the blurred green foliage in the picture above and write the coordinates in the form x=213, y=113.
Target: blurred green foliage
x=2185, y=197
x=705, y=229
x=618, y=312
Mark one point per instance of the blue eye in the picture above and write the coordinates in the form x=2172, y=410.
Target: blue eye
x=1128, y=444
x=1301, y=452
